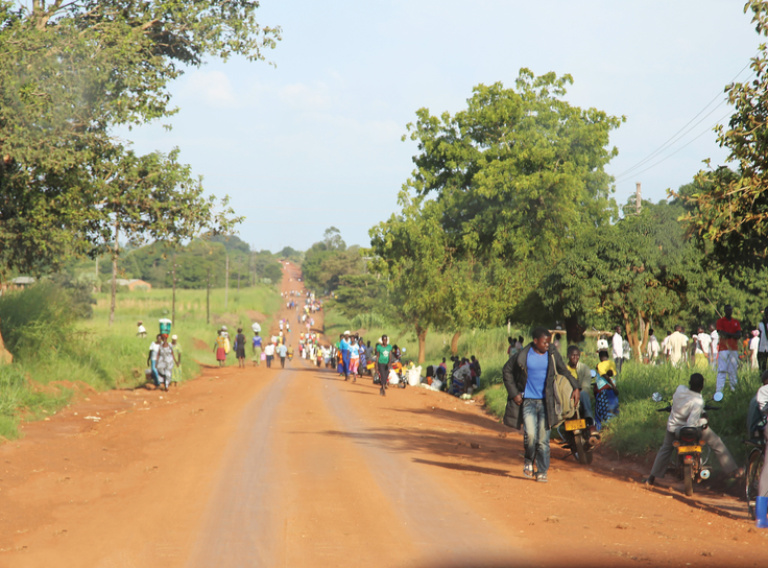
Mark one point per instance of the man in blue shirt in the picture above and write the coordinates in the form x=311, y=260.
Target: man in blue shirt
x=344, y=348
x=529, y=377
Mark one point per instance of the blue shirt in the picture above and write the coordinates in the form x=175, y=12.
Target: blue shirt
x=538, y=363
x=343, y=345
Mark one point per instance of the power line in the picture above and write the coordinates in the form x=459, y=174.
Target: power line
x=665, y=158
x=683, y=131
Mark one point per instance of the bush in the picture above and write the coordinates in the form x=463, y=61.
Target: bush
x=37, y=321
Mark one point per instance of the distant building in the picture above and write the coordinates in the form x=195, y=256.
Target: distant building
x=134, y=284
x=18, y=283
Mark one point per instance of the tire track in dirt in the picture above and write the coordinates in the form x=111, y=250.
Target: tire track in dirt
x=239, y=528
x=432, y=515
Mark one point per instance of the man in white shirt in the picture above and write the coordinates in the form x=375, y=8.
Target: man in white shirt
x=676, y=345
x=652, y=349
x=701, y=353
x=762, y=349
x=713, y=346
x=687, y=406
x=617, y=343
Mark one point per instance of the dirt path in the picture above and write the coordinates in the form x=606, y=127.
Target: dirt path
x=298, y=468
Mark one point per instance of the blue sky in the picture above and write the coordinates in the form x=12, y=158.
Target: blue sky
x=315, y=140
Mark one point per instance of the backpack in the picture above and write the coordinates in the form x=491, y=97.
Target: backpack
x=564, y=406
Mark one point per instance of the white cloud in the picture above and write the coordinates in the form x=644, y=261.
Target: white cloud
x=213, y=88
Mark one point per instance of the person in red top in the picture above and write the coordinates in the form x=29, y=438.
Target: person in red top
x=729, y=330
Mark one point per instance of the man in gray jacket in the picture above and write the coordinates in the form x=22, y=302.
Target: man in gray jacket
x=529, y=378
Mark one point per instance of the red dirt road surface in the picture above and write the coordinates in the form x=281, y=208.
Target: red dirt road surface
x=297, y=468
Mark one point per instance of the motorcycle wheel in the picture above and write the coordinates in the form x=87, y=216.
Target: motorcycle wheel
x=582, y=454
x=688, y=479
x=752, y=479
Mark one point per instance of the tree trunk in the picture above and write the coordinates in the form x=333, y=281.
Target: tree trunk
x=115, y=252
x=455, y=343
x=422, y=335
x=5, y=355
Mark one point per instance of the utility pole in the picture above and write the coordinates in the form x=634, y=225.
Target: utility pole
x=208, y=300
x=173, y=302
x=638, y=198
x=226, y=283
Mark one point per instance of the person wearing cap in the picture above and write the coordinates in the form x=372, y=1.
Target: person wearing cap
x=177, y=351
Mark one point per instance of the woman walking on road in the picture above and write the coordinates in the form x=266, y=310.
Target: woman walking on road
x=220, y=348
x=354, y=358
x=165, y=362
x=240, y=348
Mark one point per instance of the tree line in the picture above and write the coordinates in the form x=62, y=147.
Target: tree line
x=508, y=215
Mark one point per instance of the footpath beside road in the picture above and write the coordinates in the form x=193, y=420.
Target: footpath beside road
x=296, y=467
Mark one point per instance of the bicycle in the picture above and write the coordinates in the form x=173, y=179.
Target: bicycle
x=754, y=470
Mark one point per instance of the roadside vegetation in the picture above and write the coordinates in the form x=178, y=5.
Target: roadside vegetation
x=57, y=353
x=638, y=430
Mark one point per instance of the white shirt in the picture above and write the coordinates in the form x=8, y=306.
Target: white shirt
x=618, y=346
x=702, y=343
x=762, y=399
x=677, y=342
x=687, y=407
x=153, y=349
x=715, y=343
x=754, y=342
x=269, y=349
x=653, y=347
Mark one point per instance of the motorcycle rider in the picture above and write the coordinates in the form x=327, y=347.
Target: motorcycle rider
x=687, y=406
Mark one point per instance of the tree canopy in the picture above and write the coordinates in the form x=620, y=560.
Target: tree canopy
x=69, y=72
x=730, y=208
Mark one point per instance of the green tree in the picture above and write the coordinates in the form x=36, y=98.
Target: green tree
x=69, y=72
x=410, y=252
x=152, y=197
x=519, y=168
x=517, y=176
x=634, y=274
x=730, y=208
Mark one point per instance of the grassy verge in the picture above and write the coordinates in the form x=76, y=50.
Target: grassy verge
x=638, y=430
x=47, y=372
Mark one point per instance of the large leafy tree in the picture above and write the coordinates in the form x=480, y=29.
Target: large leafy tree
x=730, y=208
x=515, y=178
x=518, y=170
x=70, y=70
x=637, y=273
x=411, y=253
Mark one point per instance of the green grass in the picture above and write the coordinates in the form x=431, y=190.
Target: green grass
x=639, y=429
x=44, y=374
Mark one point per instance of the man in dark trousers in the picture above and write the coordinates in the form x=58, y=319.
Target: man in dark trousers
x=529, y=377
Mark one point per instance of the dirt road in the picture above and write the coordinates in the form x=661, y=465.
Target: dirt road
x=298, y=468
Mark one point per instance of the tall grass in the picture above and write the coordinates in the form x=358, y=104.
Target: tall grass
x=54, y=353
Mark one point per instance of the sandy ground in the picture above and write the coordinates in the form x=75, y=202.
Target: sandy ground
x=295, y=467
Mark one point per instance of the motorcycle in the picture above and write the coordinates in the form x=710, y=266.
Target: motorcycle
x=690, y=463
x=579, y=436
